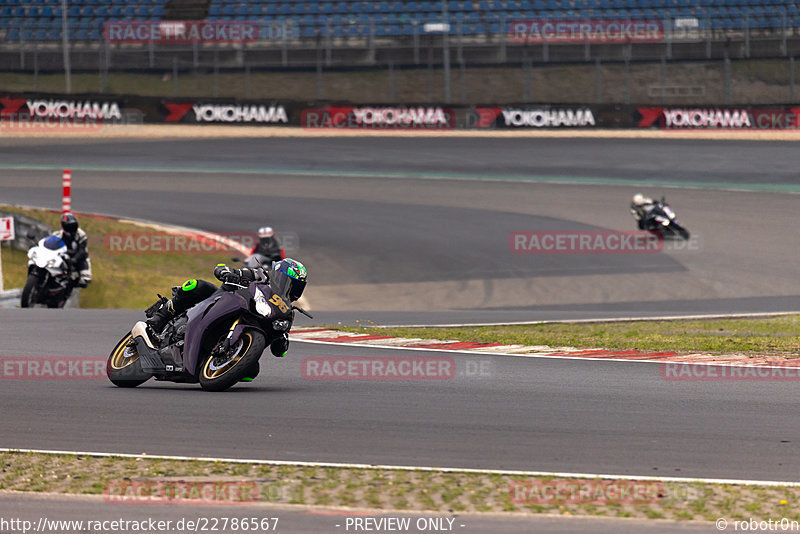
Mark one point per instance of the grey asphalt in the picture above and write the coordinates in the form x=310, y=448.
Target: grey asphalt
x=495, y=413
x=652, y=160
x=395, y=250
x=297, y=520
x=440, y=247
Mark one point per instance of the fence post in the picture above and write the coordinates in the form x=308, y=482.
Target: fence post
x=727, y=79
x=747, y=36
x=463, y=79
x=174, y=75
x=151, y=53
x=527, y=79
x=371, y=45
x=503, y=36
x=319, y=74
x=285, y=45
x=36, y=67
x=784, y=50
x=392, y=89
x=415, y=25
x=328, y=45
x=791, y=80
x=598, y=89
x=216, y=72
x=627, y=81
x=668, y=35
x=247, y=81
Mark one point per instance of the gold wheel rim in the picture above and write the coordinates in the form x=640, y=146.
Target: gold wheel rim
x=242, y=346
x=123, y=356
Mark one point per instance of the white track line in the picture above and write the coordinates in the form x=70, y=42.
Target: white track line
x=741, y=482
x=598, y=320
x=546, y=356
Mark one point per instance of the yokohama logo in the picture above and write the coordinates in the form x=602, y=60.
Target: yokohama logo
x=548, y=118
x=64, y=109
x=211, y=113
x=379, y=117
x=695, y=118
x=227, y=113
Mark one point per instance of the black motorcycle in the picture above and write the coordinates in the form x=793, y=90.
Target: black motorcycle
x=217, y=342
x=659, y=219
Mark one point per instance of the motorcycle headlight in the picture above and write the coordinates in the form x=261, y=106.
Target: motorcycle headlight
x=280, y=325
x=52, y=263
x=261, y=303
x=665, y=223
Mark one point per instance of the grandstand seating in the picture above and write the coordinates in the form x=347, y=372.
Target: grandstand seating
x=40, y=20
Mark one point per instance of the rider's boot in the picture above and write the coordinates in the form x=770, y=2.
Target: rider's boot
x=161, y=316
x=280, y=346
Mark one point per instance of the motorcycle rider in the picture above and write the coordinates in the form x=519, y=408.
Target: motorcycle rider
x=641, y=207
x=268, y=245
x=287, y=279
x=77, y=250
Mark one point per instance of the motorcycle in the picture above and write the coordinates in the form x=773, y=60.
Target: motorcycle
x=661, y=220
x=217, y=342
x=50, y=278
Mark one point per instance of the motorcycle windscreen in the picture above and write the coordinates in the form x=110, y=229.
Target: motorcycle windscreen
x=53, y=243
x=284, y=285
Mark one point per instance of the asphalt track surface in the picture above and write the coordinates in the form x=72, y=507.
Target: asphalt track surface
x=494, y=412
x=416, y=231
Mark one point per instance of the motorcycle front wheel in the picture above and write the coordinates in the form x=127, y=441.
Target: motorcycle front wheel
x=222, y=371
x=123, y=367
x=30, y=293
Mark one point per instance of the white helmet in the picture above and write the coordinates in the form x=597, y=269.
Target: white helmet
x=265, y=231
x=638, y=198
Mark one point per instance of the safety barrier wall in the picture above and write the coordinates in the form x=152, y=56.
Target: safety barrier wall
x=90, y=111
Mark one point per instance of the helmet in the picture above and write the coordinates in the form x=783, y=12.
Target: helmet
x=265, y=231
x=69, y=223
x=288, y=278
x=638, y=198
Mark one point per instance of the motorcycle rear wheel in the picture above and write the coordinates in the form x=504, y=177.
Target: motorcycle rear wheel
x=123, y=367
x=220, y=373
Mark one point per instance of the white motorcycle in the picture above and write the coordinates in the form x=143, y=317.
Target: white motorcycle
x=50, y=279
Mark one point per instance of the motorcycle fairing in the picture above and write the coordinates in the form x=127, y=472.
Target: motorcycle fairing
x=201, y=317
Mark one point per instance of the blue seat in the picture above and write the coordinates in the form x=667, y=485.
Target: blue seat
x=12, y=34
x=115, y=11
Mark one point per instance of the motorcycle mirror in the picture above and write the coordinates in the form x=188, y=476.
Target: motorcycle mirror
x=663, y=199
x=236, y=259
x=301, y=310
x=30, y=235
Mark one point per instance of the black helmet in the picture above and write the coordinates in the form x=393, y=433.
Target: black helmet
x=288, y=278
x=69, y=223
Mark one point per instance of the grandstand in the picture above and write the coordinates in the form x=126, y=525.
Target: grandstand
x=41, y=20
